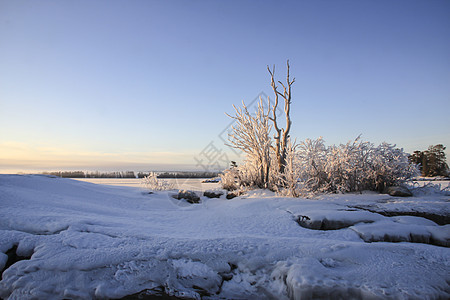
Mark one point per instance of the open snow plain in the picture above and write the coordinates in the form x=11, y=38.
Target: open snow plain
x=66, y=239
x=178, y=183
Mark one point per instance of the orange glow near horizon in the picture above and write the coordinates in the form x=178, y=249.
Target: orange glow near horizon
x=20, y=157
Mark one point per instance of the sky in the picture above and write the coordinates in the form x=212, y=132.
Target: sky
x=145, y=85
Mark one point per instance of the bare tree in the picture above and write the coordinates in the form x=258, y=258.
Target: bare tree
x=266, y=163
x=281, y=134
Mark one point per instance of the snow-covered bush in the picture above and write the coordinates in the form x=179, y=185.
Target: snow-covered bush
x=311, y=168
x=153, y=183
x=288, y=184
x=312, y=158
x=246, y=176
x=229, y=179
x=355, y=166
x=390, y=166
x=347, y=166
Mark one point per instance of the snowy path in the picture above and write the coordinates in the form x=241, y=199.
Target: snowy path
x=83, y=241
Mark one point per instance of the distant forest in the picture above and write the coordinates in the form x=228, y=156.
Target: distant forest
x=186, y=175
x=130, y=174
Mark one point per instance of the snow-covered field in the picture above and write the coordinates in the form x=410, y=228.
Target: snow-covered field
x=180, y=183
x=78, y=240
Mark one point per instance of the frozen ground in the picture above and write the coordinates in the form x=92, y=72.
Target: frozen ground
x=178, y=183
x=76, y=240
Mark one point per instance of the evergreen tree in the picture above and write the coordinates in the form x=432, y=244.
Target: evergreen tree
x=432, y=162
x=437, y=161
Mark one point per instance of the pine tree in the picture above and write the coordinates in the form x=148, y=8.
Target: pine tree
x=436, y=160
x=432, y=162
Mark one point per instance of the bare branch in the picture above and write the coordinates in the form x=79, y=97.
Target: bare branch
x=282, y=134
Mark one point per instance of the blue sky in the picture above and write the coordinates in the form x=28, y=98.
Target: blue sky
x=145, y=84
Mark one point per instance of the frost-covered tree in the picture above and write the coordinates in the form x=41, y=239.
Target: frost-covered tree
x=265, y=158
x=251, y=134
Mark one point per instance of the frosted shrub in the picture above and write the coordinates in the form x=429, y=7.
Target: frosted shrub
x=153, y=183
x=312, y=157
x=354, y=166
x=289, y=184
x=250, y=174
x=311, y=167
x=229, y=179
x=347, y=166
x=247, y=175
x=390, y=166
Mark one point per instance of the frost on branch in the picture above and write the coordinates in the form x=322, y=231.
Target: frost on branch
x=288, y=183
x=153, y=183
x=352, y=167
x=390, y=166
x=229, y=179
x=347, y=166
x=312, y=168
x=279, y=164
x=312, y=159
x=266, y=158
x=250, y=134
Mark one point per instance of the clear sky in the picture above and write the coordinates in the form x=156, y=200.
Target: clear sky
x=142, y=85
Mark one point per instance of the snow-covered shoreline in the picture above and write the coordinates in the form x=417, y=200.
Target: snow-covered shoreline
x=82, y=241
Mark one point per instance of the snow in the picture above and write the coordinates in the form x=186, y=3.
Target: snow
x=83, y=240
x=392, y=231
x=178, y=183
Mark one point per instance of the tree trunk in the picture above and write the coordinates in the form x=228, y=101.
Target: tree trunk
x=281, y=134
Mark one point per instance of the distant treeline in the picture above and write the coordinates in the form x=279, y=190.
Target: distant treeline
x=96, y=174
x=187, y=175
x=130, y=174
